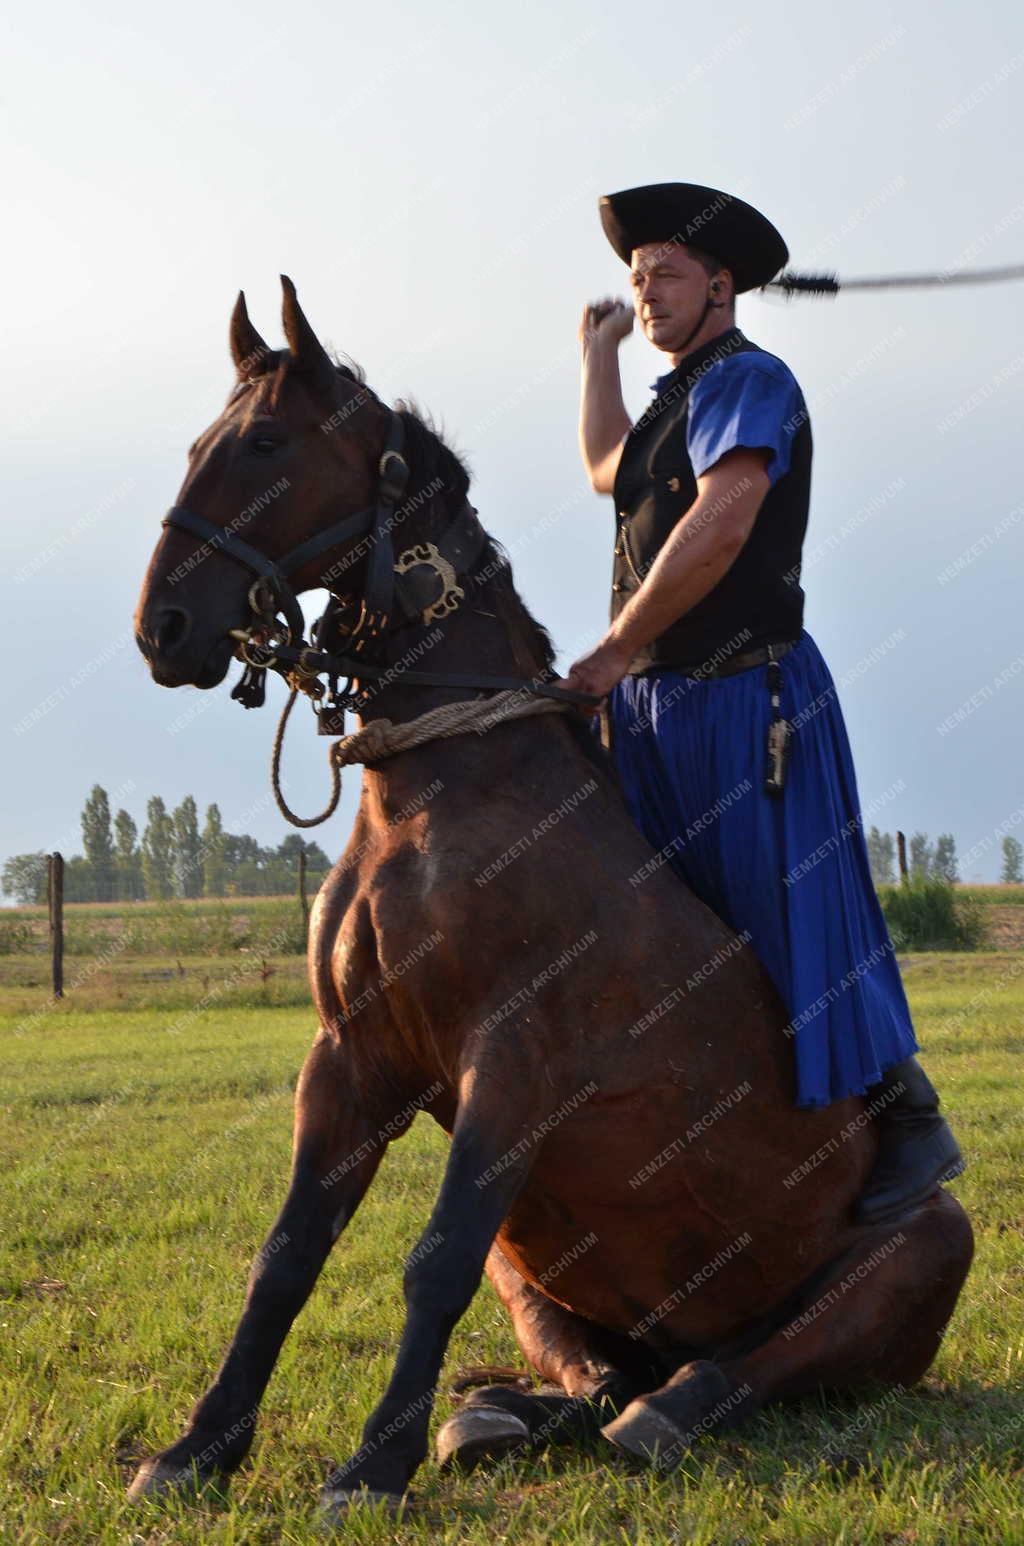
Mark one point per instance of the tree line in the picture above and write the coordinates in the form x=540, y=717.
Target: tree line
x=173, y=857
x=934, y=861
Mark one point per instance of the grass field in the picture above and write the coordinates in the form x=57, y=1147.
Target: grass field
x=143, y=1154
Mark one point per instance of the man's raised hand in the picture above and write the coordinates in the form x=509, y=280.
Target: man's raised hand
x=606, y=321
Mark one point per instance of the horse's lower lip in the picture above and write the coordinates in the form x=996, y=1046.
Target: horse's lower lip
x=210, y=674
x=215, y=666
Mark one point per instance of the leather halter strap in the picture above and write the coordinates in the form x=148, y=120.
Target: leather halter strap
x=410, y=585
x=393, y=474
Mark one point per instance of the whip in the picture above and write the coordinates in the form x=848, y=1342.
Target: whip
x=790, y=283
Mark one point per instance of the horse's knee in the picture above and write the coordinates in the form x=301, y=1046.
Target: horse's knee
x=440, y=1280
x=930, y=1284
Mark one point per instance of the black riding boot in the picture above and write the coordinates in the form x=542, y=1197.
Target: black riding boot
x=916, y=1148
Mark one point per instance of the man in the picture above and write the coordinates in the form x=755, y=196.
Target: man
x=721, y=714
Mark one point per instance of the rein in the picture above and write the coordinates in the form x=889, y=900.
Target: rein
x=421, y=584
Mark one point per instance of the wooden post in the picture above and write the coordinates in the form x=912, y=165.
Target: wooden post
x=303, y=899
x=55, y=898
x=901, y=849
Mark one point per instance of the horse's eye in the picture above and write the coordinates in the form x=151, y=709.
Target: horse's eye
x=264, y=445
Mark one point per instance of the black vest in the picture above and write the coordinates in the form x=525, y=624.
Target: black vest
x=758, y=600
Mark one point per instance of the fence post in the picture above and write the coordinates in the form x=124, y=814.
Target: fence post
x=303, y=899
x=55, y=899
x=901, y=849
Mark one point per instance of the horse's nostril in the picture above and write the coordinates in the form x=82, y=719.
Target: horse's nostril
x=170, y=629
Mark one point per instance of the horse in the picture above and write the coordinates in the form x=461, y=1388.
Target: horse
x=499, y=946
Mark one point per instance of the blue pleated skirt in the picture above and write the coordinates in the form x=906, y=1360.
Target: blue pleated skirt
x=790, y=871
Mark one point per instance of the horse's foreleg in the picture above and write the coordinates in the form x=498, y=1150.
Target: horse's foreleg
x=594, y=1375
x=493, y=1147
x=336, y=1152
x=564, y=1348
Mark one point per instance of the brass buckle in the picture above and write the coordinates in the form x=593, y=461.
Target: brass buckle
x=451, y=591
x=264, y=659
x=392, y=486
x=368, y=626
x=304, y=677
x=263, y=600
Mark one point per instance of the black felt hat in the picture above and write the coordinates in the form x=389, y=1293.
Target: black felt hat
x=735, y=233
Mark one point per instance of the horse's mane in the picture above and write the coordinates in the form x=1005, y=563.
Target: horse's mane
x=430, y=456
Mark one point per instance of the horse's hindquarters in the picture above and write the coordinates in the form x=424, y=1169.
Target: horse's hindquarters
x=677, y=1228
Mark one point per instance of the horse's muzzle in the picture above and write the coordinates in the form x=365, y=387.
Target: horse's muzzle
x=177, y=656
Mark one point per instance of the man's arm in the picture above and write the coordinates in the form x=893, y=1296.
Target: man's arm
x=604, y=421
x=700, y=549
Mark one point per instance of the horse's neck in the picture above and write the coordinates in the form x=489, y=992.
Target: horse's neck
x=489, y=633
x=485, y=636
x=472, y=640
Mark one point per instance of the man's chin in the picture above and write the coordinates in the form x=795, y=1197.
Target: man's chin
x=663, y=337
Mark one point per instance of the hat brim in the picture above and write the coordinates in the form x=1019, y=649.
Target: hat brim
x=739, y=236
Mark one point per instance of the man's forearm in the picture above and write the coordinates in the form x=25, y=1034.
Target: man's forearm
x=699, y=551
x=603, y=417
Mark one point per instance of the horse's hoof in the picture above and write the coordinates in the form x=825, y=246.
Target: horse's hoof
x=336, y=1503
x=477, y=1433
x=157, y=1478
x=644, y=1431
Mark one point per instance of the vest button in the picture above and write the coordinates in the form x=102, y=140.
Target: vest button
x=673, y=484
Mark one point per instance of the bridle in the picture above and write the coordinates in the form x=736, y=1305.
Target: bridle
x=420, y=585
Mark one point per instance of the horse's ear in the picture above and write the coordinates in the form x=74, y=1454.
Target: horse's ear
x=247, y=347
x=307, y=350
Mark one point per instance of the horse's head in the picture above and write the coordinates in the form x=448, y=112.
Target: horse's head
x=296, y=449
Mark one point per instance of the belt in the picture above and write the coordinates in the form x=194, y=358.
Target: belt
x=743, y=662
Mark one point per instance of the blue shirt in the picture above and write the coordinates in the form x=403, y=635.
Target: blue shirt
x=748, y=399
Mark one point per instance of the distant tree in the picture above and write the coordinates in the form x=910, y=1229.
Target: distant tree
x=188, y=854
x=944, y=865
x=127, y=859
x=887, y=857
x=24, y=878
x=98, y=843
x=291, y=846
x=881, y=857
x=1013, y=862
x=158, y=851
x=921, y=855
x=213, y=852
x=241, y=850
x=246, y=865
x=79, y=880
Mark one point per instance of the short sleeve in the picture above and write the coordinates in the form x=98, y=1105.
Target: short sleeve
x=746, y=400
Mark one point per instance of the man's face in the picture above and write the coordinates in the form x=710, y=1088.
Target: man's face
x=669, y=291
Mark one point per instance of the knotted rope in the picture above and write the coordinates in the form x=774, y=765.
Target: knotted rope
x=382, y=738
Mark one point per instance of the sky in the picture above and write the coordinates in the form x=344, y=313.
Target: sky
x=429, y=178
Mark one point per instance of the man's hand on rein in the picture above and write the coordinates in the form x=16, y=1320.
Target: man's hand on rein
x=598, y=671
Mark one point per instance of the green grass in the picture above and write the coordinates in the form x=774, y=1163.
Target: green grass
x=142, y=1158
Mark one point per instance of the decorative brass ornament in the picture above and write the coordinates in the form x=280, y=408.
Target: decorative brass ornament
x=451, y=592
